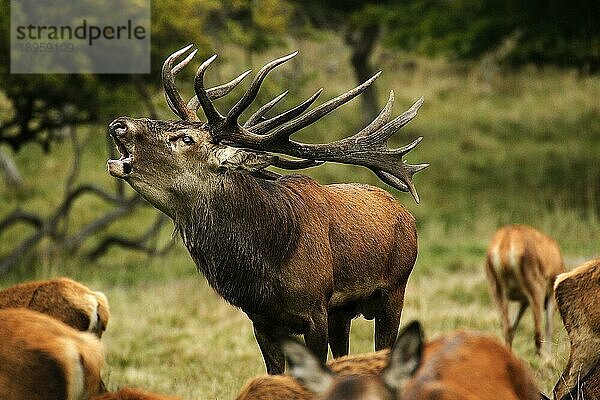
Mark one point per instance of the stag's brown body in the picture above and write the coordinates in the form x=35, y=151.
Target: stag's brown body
x=62, y=298
x=41, y=358
x=521, y=265
x=578, y=297
x=459, y=365
x=296, y=256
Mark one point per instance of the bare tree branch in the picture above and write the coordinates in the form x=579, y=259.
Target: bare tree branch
x=139, y=243
x=21, y=216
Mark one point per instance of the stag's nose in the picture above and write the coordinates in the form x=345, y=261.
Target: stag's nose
x=117, y=128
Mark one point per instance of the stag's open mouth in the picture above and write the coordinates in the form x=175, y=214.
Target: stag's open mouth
x=124, y=165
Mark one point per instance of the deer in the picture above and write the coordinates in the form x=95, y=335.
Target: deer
x=41, y=358
x=280, y=387
x=297, y=257
x=459, y=365
x=577, y=295
x=64, y=299
x=133, y=394
x=521, y=265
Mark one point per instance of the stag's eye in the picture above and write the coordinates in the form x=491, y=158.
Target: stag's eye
x=188, y=140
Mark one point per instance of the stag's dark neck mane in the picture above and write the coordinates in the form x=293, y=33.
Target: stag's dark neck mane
x=239, y=234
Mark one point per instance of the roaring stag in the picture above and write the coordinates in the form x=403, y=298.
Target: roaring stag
x=521, y=265
x=577, y=294
x=296, y=256
x=459, y=365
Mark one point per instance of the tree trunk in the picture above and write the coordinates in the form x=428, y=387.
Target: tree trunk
x=362, y=42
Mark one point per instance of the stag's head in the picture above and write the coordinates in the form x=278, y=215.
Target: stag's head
x=164, y=160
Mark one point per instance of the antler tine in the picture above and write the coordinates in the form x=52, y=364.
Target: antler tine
x=400, y=184
x=385, y=132
x=284, y=117
x=218, y=91
x=295, y=164
x=212, y=115
x=284, y=132
x=259, y=114
x=174, y=100
x=382, y=118
x=250, y=95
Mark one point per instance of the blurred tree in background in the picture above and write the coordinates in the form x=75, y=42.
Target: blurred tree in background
x=360, y=24
x=565, y=34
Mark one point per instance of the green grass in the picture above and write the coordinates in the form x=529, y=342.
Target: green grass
x=519, y=147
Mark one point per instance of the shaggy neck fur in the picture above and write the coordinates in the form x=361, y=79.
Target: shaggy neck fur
x=239, y=234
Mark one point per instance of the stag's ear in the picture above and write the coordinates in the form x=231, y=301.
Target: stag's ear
x=239, y=160
x=405, y=357
x=305, y=367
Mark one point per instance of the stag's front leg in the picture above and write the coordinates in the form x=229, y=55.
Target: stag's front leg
x=339, y=333
x=270, y=349
x=316, y=336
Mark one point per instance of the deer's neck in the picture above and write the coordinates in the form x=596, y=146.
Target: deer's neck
x=239, y=233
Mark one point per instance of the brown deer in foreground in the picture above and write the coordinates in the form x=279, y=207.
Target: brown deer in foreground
x=296, y=256
x=61, y=298
x=456, y=366
x=133, y=394
x=284, y=387
x=42, y=358
x=577, y=295
x=521, y=265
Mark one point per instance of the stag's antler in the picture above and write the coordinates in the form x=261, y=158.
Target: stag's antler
x=367, y=147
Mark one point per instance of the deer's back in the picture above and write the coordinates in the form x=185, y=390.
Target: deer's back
x=62, y=298
x=517, y=247
x=468, y=366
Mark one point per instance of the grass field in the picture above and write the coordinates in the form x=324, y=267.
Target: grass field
x=504, y=147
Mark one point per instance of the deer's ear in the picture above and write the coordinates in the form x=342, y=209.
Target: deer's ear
x=405, y=357
x=239, y=160
x=305, y=368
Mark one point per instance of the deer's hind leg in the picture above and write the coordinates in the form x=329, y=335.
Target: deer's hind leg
x=500, y=297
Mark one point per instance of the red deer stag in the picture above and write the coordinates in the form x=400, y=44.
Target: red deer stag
x=457, y=366
x=578, y=295
x=42, y=358
x=521, y=265
x=296, y=256
x=61, y=298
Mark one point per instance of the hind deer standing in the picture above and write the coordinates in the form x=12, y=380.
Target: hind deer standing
x=296, y=256
x=521, y=265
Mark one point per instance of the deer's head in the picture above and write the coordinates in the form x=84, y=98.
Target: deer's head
x=405, y=359
x=167, y=159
